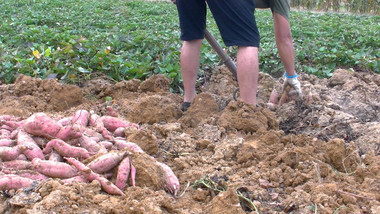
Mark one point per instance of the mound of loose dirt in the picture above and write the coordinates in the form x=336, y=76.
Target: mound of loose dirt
x=302, y=158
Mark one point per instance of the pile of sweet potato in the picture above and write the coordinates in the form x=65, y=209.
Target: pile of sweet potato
x=83, y=147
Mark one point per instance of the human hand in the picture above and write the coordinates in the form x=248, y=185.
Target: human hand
x=174, y=1
x=294, y=83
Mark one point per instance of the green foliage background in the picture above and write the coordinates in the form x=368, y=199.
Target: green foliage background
x=123, y=39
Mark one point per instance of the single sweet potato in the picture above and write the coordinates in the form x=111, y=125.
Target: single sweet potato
x=54, y=169
x=11, y=153
x=123, y=173
x=119, y=132
x=112, y=123
x=40, y=141
x=79, y=178
x=53, y=156
x=33, y=150
x=112, y=112
x=106, y=162
x=106, y=185
x=5, y=134
x=273, y=97
x=96, y=122
x=65, y=121
x=14, y=133
x=26, y=174
x=65, y=149
x=93, y=134
x=40, y=124
x=22, y=157
x=69, y=132
x=89, y=144
x=172, y=184
x=11, y=125
x=122, y=144
x=8, y=118
x=73, y=142
x=16, y=164
x=108, y=145
x=8, y=182
x=81, y=117
x=133, y=175
x=7, y=142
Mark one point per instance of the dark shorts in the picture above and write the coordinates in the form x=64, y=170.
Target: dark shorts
x=279, y=6
x=235, y=20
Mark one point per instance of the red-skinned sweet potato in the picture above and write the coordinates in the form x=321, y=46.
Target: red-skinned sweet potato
x=108, y=145
x=122, y=144
x=16, y=164
x=5, y=134
x=93, y=134
x=22, y=157
x=106, y=162
x=106, y=185
x=111, y=111
x=172, y=183
x=69, y=132
x=33, y=150
x=119, y=132
x=89, y=144
x=40, y=124
x=11, y=153
x=54, y=169
x=133, y=175
x=79, y=178
x=8, y=182
x=96, y=122
x=7, y=142
x=26, y=174
x=40, y=141
x=112, y=123
x=8, y=118
x=53, y=156
x=81, y=117
x=66, y=150
x=65, y=121
x=123, y=172
x=11, y=125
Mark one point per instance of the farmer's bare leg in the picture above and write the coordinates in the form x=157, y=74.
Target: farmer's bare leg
x=189, y=67
x=284, y=42
x=248, y=73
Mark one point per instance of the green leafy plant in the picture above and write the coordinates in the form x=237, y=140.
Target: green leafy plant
x=76, y=40
x=211, y=184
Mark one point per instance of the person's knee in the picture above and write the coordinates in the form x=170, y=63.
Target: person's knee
x=191, y=46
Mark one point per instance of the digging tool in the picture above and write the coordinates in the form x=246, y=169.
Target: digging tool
x=224, y=56
x=219, y=50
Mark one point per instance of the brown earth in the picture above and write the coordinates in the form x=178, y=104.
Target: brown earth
x=315, y=157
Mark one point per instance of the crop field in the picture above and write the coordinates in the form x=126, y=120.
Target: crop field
x=73, y=40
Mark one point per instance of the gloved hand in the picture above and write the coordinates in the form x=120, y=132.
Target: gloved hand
x=294, y=83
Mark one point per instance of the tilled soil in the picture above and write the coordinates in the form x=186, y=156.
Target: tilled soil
x=319, y=156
